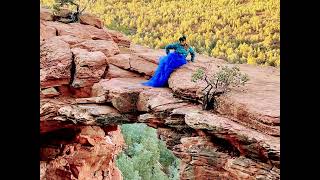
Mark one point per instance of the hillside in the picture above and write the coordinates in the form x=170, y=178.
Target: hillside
x=90, y=79
x=239, y=31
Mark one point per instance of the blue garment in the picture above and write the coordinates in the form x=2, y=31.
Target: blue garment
x=166, y=66
x=180, y=49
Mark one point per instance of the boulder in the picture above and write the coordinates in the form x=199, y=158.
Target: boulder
x=90, y=19
x=91, y=114
x=46, y=14
x=48, y=113
x=109, y=48
x=123, y=93
x=79, y=30
x=120, y=60
x=142, y=66
x=158, y=99
x=55, y=63
x=152, y=57
x=116, y=72
x=70, y=39
x=90, y=100
x=89, y=67
x=46, y=32
x=58, y=114
x=93, y=32
x=119, y=38
x=49, y=92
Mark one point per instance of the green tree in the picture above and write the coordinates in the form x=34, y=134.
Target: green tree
x=146, y=155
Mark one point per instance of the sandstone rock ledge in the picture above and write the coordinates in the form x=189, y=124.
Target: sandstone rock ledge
x=90, y=80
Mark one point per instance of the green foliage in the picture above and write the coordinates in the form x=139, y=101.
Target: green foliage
x=124, y=162
x=173, y=170
x=219, y=82
x=146, y=157
x=197, y=75
x=166, y=157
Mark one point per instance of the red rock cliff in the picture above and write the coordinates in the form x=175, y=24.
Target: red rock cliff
x=90, y=81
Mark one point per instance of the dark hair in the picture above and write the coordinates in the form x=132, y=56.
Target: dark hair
x=183, y=38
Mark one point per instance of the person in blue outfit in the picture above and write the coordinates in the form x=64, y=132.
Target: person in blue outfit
x=170, y=62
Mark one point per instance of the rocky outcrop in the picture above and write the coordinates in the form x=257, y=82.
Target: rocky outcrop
x=119, y=38
x=46, y=14
x=135, y=63
x=201, y=159
x=79, y=141
x=116, y=72
x=64, y=113
x=73, y=57
x=90, y=19
x=46, y=32
x=91, y=83
x=49, y=92
x=108, y=48
x=89, y=67
x=244, y=140
x=70, y=39
x=120, y=60
x=55, y=63
x=79, y=30
x=257, y=105
x=85, y=152
x=122, y=93
x=158, y=99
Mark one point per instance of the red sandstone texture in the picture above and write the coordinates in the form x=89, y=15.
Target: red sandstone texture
x=88, y=154
x=90, y=80
x=256, y=105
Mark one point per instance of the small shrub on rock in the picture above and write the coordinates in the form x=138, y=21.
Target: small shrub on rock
x=220, y=82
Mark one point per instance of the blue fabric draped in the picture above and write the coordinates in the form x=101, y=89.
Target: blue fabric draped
x=167, y=64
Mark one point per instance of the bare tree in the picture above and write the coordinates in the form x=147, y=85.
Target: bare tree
x=73, y=16
x=218, y=83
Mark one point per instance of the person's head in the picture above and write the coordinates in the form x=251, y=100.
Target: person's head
x=183, y=40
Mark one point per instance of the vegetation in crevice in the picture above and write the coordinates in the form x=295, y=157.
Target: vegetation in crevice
x=146, y=156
